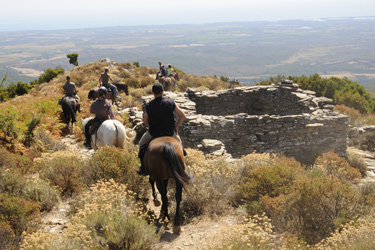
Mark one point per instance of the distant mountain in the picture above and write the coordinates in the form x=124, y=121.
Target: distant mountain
x=246, y=51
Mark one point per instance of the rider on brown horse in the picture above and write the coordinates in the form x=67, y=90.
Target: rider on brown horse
x=71, y=91
x=159, y=118
x=104, y=80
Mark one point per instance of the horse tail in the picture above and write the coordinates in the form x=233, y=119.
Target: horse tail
x=68, y=110
x=174, y=164
x=120, y=135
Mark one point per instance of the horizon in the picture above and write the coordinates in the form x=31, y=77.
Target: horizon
x=22, y=15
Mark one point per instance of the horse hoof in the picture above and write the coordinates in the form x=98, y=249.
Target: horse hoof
x=177, y=229
x=157, y=203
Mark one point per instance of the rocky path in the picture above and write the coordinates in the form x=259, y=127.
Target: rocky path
x=55, y=221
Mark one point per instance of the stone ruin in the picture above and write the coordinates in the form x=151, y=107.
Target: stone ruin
x=280, y=119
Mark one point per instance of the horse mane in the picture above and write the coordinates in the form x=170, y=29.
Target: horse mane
x=174, y=164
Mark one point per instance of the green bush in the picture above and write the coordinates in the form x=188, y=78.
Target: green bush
x=64, y=170
x=18, y=212
x=314, y=208
x=146, y=81
x=43, y=193
x=133, y=82
x=9, y=241
x=272, y=180
x=357, y=162
x=119, y=165
x=12, y=183
x=48, y=75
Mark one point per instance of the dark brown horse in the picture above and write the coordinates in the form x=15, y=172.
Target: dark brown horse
x=169, y=82
x=164, y=159
x=69, y=108
x=121, y=87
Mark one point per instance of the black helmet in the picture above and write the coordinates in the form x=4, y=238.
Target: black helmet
x=102, y=91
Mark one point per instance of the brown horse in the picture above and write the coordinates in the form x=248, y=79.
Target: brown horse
x=93, y=94
x=169, y=82
x=69, y=108
x=164, y=159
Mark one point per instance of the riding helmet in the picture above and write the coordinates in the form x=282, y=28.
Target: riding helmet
x=102, y=90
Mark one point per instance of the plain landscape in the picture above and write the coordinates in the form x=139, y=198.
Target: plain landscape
x=245, y=51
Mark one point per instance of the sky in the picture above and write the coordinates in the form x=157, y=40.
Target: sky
x=17, y=15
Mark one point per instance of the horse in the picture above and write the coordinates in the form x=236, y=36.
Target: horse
x=68, y=105
x=169, y=82
x=110, y=133
x=121, y=87
x=164, y=159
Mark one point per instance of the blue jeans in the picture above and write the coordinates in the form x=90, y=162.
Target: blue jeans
x=112, y=87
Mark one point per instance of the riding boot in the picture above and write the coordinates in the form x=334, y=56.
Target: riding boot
x=87, y=143
x=141, y=170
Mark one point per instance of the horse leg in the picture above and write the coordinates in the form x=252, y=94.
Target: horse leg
x=178, y=195
x=154, y=194
x=162, y=187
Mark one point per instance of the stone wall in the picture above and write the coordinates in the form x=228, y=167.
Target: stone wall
x=277, y=119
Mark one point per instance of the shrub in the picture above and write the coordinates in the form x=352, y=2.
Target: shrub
x=332, y=164
x=315, y=207
x=214, y=180
x=114, y=163
x=43, y=193
x=354, y=235
x=255, y=234
x=15, y=162
x=358, y=163
x=146, y=81
x=63, y=169
x=133, y=82
x=107, y=217
x=268, y=180
x=11, y=183
x=9, y=241
x=124, y=65
x=124, y=74
x=18, y=212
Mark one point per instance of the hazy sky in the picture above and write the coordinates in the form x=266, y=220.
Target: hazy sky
x=47, y=14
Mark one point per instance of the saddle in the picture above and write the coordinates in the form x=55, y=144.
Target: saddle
x=95, y=126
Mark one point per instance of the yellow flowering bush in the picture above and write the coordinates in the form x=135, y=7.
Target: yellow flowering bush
x=255, y=234
x=105, y=217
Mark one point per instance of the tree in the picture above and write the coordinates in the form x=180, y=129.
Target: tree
x=73, y=58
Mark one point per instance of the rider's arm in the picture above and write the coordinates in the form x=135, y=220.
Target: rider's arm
x=181, y=117
x=145, y=120
x=100, y=80
x=111, y=79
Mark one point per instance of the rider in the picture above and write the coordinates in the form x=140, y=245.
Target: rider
x=159, y=118
x=104, y=80
x=157, y=74
x=169, y=70
x=71, y=91
x=163, y=71
x=102, y=109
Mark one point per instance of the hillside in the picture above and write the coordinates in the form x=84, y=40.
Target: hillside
x=248, y=52
x=55, y=194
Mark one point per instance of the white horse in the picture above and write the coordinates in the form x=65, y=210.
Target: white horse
x=110, y=133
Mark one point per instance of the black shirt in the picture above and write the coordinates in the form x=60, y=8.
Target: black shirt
x=160, y=116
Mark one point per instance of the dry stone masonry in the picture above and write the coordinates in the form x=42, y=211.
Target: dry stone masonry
x=275, y=118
